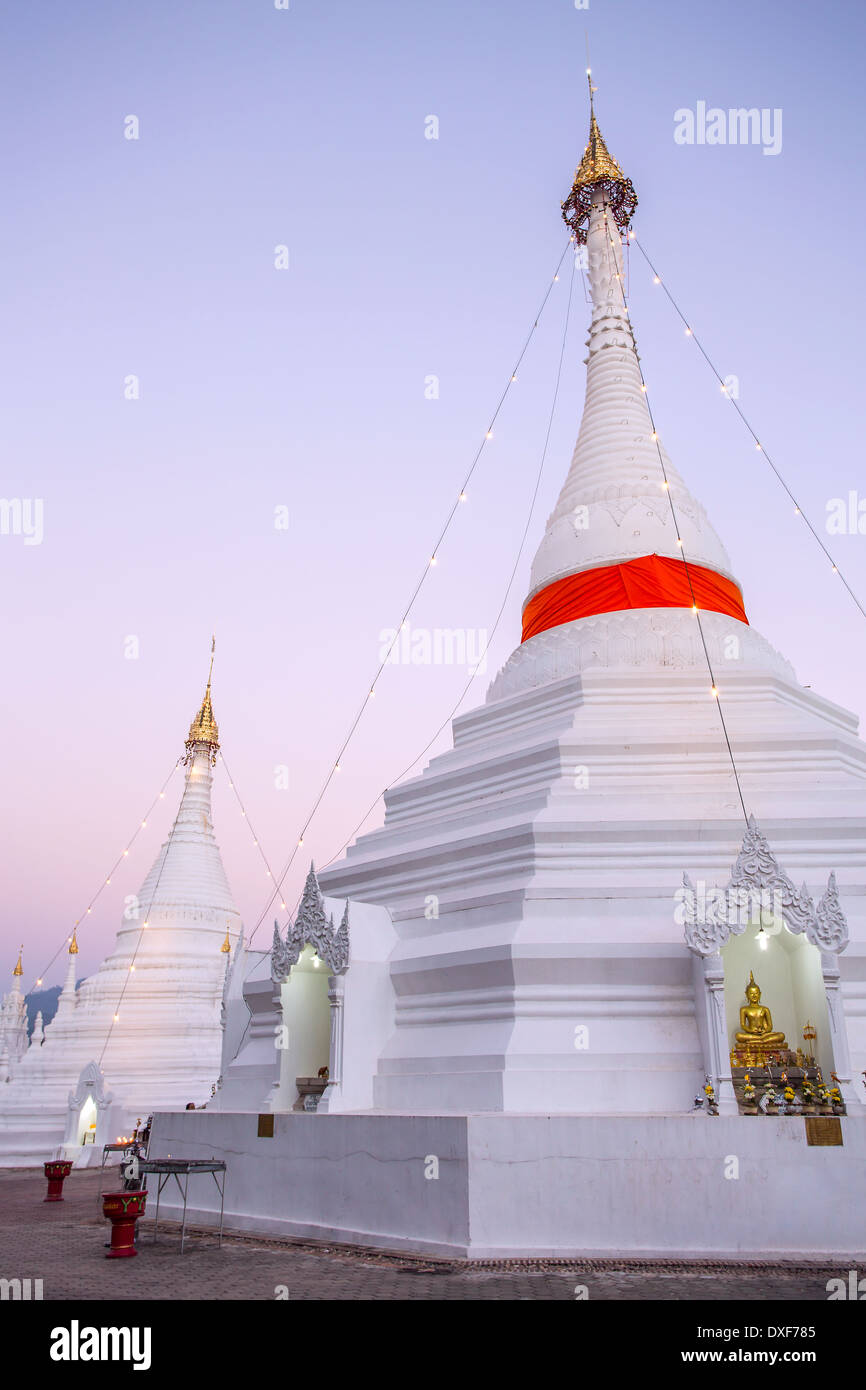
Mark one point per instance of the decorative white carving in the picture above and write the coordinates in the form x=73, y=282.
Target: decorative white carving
x=758, y=878
x=91, y=1082
x=831, y=928
x=311, y=928
x=667, y=639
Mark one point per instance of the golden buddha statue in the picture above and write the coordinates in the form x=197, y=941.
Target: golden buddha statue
x=756, y=1024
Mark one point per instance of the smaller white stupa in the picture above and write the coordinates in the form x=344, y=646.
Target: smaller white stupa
x=13, y=1024
x=145, y=1031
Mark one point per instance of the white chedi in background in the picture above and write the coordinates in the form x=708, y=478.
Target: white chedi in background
x=13, y=1025
x=143, y=1033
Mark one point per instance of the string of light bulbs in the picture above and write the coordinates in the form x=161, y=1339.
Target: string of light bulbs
x=445, y=723
x=124, y=854
x=714, y=690
x=759, y=446
x=143, y=928
x=432, y=561
x=255, y=838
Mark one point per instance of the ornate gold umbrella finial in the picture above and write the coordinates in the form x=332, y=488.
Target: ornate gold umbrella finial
x=597, y=170
x=19, y=968
x=203, y=728
x=73, y=944
x=227, y=945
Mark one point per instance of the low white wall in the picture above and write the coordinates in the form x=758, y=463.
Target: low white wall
x=333, y=1177
x=524, y=1185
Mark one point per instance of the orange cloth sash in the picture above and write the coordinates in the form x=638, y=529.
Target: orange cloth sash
x=653, y=581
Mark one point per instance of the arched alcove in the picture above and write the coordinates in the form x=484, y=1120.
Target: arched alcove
x=787, y=967
x=87, y=1117
x=306, y=1024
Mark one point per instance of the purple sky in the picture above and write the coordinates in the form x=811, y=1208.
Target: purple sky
x=306, y=387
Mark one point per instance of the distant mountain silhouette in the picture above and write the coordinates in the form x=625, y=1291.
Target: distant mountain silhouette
x=44, y=1000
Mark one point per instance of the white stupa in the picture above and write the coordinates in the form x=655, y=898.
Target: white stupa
x=145, y=1031
x=540, y=975
x=555, y=835
x=13, y=1024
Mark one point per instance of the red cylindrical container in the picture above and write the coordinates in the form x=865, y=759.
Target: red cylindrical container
x=123, y=1210
x=56, y=1172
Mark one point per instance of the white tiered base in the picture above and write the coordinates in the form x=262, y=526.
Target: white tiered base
x=532, y=1185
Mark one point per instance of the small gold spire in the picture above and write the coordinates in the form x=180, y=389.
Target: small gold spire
x=203, y=728
x=19, y=968
x=598, y=169
x=227, y=945
x=73, y=945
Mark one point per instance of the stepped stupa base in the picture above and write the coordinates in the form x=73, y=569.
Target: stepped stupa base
x=518, y=1186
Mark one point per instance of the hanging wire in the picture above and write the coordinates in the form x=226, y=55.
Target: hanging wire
x=798, y=510
x=445, y=723
x=256, y=840
x=461, y=497
x=107, y=880
x=714, y=690
x=146, y=921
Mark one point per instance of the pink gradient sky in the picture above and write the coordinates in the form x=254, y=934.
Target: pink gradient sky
x=259, y=387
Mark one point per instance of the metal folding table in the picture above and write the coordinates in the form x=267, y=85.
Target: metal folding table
x=177, y=1168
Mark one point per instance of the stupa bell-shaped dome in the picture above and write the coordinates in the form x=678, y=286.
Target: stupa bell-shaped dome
x=628, y=555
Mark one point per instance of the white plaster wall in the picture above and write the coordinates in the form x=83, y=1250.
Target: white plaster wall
x=532, y=1185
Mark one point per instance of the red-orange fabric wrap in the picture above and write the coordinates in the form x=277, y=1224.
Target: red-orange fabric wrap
x=653, y=581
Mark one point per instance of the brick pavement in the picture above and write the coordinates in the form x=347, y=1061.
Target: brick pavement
x=64, y=1245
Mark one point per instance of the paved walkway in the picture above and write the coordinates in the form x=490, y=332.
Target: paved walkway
x=63, y=1244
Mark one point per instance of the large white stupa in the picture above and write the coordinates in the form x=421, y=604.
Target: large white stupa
x=145, y=1031
x=556, y=833
x=546, y=950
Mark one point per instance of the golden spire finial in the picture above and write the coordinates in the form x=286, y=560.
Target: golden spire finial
x=19, y=968
x=597, y=169
x=73, y=945
x=227, y=945
x=203, y=728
